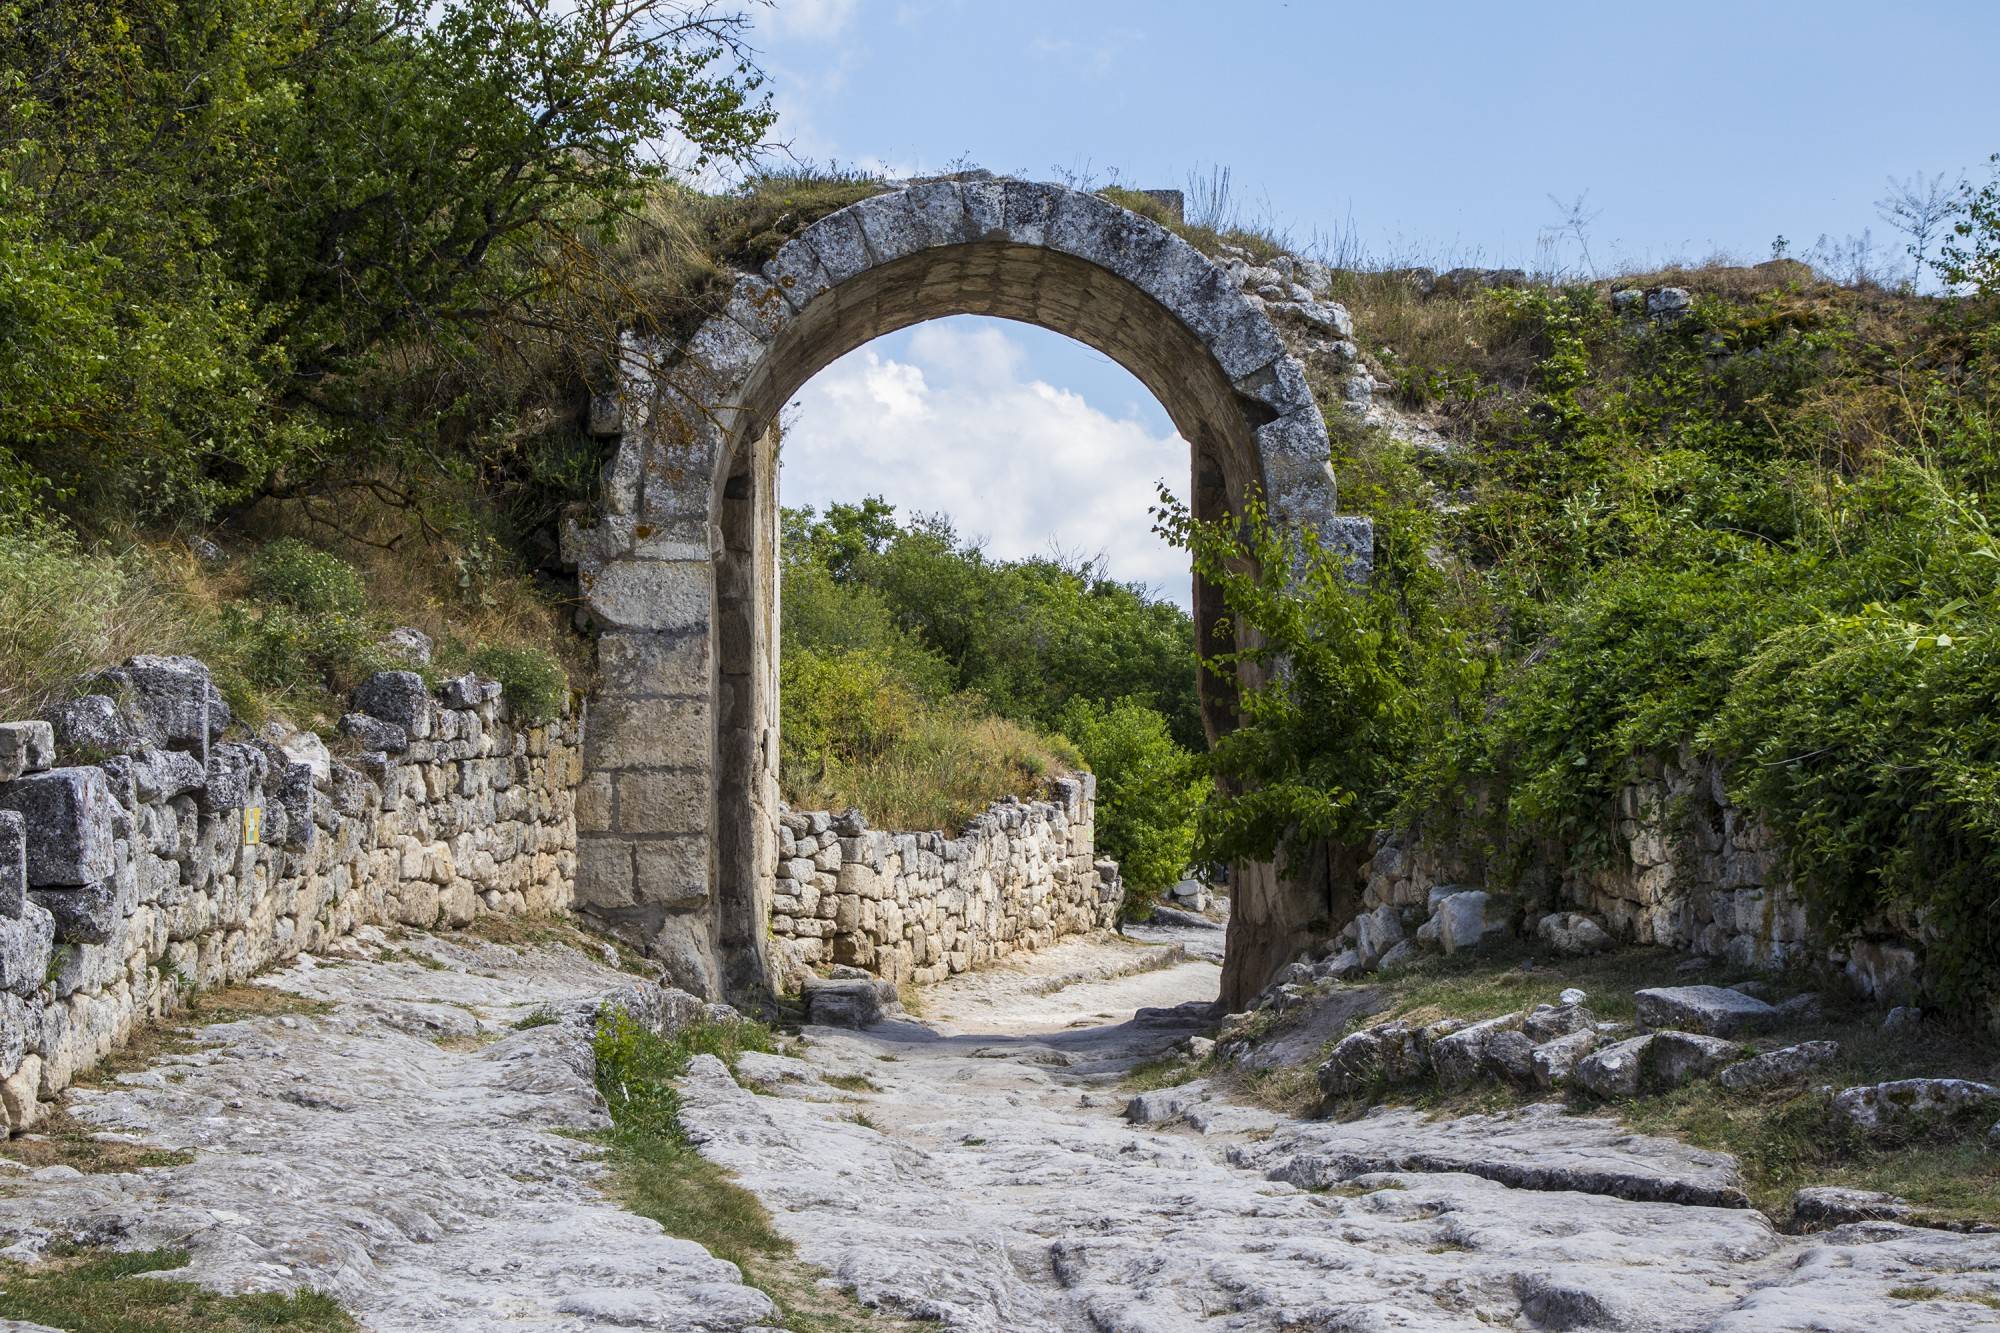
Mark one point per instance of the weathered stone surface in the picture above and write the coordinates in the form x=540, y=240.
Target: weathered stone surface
x=1616, y=1071
x=173, y=699
x=1713, y=1011
x=1572, y=934
x=1820, y=1206
x=25, y=747
x=399, y=698
x=1462, y=921
x=1779, y=1066
x=1163, y=1106
x=849, y=1002
x=375, y=734
x=318, y=1141
x=1385, y=1056
x=67, y=815
x=409, y=644
x=1877, y=1107
x=1493, y=1049
x=1675, y=1058
x=1555, y=1061
x=94, y=726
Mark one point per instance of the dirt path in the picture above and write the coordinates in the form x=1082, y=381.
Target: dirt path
x=977, y=1167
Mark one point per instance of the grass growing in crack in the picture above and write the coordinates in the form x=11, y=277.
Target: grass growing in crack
x=539, y=1018
x=1163, y=1071
x=660, y=1175
x=107, y=1293
x=852, y=1083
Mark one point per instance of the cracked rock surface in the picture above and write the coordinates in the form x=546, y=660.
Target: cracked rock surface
x=401, y=1153
x=986, y=1176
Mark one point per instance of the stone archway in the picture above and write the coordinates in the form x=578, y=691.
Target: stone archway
x=677, y=826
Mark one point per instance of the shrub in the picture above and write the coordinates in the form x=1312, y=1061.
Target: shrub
x=308, y=580
x=531, y=679
x=1149, y=795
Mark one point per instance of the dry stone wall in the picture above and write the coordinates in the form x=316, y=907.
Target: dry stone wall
x=922, y=906
x=1686, y=869
x=165, y=857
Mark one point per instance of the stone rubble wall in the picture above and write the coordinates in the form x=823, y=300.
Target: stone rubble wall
x=921, y=906
x=1686, y=869
x=165, y=859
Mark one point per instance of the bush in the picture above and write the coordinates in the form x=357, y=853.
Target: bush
x=531, y=680
x=308, y=580
x=1149, y=795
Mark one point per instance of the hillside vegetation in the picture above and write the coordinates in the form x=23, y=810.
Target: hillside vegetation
x=1761, y=525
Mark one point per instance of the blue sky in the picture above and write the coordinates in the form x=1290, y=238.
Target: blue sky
x=1422, y=133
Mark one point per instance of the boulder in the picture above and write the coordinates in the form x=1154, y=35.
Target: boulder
x=1712, y=1011
x=1615, y=1071
x=173, y=700
x=1779, y=1066
x=409, y=644
x=1400, y=954
x=1880, y=1107
x=1546, y=1022
x=1163, y=1106
x=1902, y=1018
x=25, y=747
x=1675, y=1058
x=374, y=734
x=1375, y=931
x=1342, y=966
x=469, y=691
x=1668, y=303
x=399, y=698
x=1493, y=1049
x=68, y=818
x=1462, y=921
x=1384, y=1056
x=1572, y=934
x=1820, y=1206
x=1554, y=1062
x=94, y=726
x=849, y=1002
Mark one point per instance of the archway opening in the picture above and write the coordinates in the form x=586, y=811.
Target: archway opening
x=680, y=569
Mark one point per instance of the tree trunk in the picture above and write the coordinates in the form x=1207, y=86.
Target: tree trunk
x=1273, y=919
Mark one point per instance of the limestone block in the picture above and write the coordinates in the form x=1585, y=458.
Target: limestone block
x=25, y=747
x=68, y=818
x=672, y=871
x=95, y=725
x=173, y=700
x=1709, y=1010
x=649, y=733
x=662, y=801
x=399, y=698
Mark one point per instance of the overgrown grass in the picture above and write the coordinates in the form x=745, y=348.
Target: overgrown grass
x=1163, y=1071
x=942, y=765
x=97, y=1292
x=658, y=1174
x=261, y=618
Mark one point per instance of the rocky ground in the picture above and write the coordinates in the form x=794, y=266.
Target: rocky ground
x=983, y=1164
x=983, y=1168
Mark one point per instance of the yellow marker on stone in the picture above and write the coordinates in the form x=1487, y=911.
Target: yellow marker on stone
x=253, y=825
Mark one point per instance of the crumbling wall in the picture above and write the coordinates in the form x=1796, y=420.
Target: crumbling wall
x=921, y=906
x=173, y=850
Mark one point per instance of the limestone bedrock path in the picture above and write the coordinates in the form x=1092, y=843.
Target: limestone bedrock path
x=410, y=1146
x=985, y=1176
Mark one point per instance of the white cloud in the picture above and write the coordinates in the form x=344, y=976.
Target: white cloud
x=806, y=20
x=955, y=424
